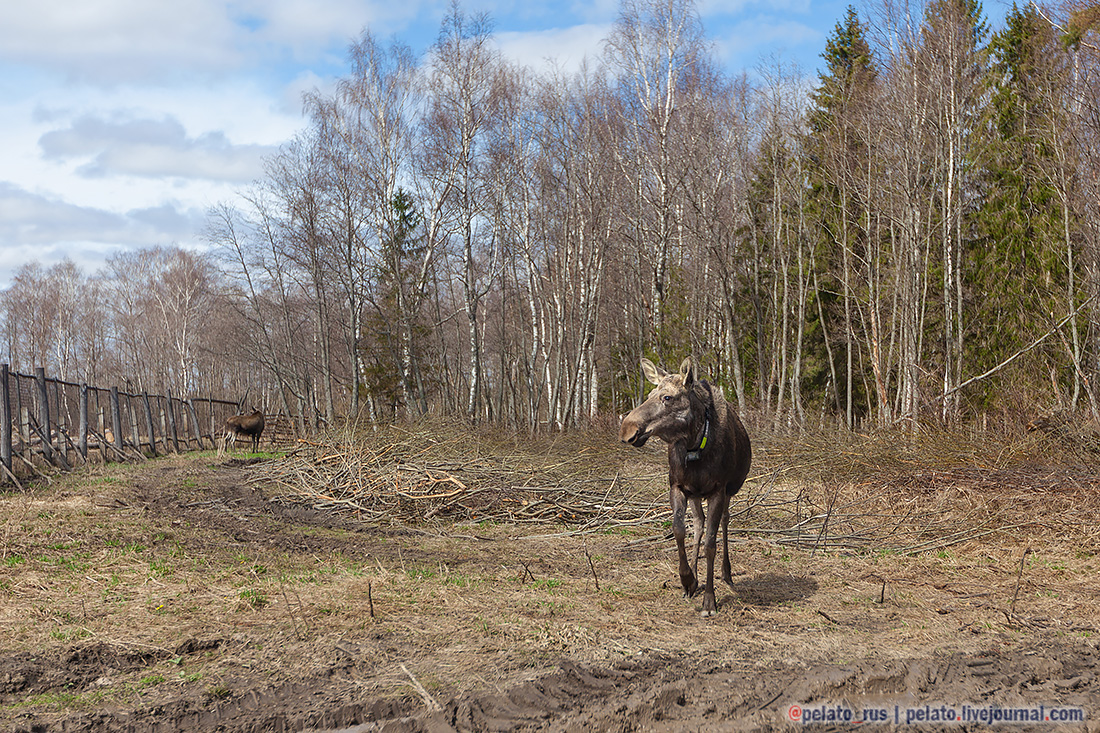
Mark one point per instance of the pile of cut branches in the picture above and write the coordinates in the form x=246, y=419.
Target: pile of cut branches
x=414, y=474
x=868, y=495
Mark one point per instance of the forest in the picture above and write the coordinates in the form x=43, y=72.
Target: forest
x=909, y=237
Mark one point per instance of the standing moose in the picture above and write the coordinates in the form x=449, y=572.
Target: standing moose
x=708, y=458
x=251, y=426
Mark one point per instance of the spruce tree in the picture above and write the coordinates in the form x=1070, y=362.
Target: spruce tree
x=1016, y=272
x=392, y=349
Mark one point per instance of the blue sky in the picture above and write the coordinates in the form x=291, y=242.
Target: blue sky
x=123, y=121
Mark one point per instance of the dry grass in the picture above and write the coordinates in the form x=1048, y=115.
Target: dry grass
x=842, y=550
x=935, y=489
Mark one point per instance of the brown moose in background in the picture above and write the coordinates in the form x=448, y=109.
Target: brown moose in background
x=708, y=458
x=251, y=426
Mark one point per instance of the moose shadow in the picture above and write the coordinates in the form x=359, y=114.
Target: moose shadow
x=769, y=589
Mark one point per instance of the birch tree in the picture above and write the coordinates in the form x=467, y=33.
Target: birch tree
x=651, y=48
x=952, y=58
x=463, y=76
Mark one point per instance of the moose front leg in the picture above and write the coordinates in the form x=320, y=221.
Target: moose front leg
x=679, y=531
x=697, y=524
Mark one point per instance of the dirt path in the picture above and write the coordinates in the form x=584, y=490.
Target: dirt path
x=176, y=595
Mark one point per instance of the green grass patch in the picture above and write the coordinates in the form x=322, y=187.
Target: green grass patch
x=160, y=568
x=252, y=598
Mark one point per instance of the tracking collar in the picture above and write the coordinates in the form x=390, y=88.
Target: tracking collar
x=696, y=453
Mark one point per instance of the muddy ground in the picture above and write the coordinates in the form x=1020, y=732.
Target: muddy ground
x=180, y=594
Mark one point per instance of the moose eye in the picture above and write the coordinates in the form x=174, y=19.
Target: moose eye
x=667, y=397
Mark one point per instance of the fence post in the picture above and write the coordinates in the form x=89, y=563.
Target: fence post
x=25, y=431
x=21, y=416
x=44, y=414
x=116, y=419
x=195, y=422
x=5, y=418
x=135, y=435
x=149, y=424
x=172, y=424
x=187, y=428
x=82, y=438
x=210, y=408
x=189, y=422
x=58, y=415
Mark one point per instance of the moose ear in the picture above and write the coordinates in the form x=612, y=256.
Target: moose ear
x=687, y=371
x=652, y=372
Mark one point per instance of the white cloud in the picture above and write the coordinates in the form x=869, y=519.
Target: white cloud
x=88, y=256
x=152, y=149
x=756, y=37
x=593, y=11
x=36, y=219
x=34, y=226
x=138, y=147
x=170, y=222
x=563, y=48
x=785, y=8
x=123, y=120
x=290, y=100
x=118, y=40
x=107, y=42
x=304, y=26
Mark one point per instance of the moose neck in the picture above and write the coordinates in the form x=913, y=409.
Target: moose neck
x=695, y=452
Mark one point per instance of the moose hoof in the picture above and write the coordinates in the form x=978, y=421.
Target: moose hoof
x=710, y=608
x=690, y=588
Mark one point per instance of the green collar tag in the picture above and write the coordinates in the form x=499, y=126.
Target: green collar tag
x=696, y=453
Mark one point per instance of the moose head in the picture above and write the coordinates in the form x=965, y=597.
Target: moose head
x=672, y=409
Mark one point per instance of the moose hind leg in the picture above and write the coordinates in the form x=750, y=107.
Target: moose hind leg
x=727, y=569
x=717, y=507
x=679, y=531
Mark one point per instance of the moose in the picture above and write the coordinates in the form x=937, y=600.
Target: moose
x=251, y=426
x=708, y=458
